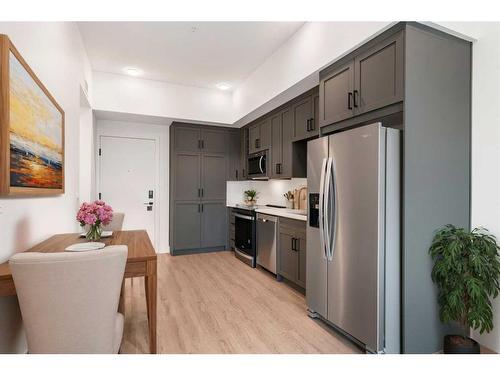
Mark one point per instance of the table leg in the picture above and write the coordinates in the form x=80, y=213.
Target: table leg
x=150, y=285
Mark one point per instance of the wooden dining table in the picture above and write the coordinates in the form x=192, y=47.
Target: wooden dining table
x=141, y=261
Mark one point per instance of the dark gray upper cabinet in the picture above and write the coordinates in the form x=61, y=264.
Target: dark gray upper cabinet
x=186, y=139
x=286, y=169
x=214, y=140
x=281, y=144
x=372, y=78
x=276, y=146
x=305, y=119
x=315, y=121
x=302, y=115
x=259, y=136
x=253, y=138
x=186, y=169
x=233, y=171
x=243, y=153
x=336, y=95
x=378, y=75
x=213, y=224
x=213, y=172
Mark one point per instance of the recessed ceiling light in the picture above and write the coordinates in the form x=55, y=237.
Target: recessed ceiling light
x=223, y=86
x=131, y=71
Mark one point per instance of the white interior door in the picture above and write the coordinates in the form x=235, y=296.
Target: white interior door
x=128, y=180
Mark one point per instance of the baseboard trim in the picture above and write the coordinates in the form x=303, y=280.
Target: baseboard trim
x=197, y=251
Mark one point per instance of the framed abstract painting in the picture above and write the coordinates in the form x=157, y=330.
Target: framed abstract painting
x=31, y=130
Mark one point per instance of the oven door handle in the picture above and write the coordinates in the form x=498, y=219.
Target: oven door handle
x=244, y=217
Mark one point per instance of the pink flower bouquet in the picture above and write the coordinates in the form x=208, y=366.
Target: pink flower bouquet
x=94, y=215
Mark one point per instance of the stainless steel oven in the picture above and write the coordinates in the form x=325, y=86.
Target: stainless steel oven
x=245, y=233
x=257, y=165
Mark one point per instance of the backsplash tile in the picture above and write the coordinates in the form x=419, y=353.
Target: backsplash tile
x=270, y=192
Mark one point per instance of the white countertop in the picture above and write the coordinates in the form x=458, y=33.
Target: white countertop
x=283, y=212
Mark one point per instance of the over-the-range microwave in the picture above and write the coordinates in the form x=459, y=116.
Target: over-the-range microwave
x=257, y=166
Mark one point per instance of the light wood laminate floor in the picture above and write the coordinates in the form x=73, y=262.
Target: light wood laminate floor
x=213, y=303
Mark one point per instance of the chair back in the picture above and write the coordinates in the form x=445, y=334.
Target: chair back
x=69, y=300
x=116, y=222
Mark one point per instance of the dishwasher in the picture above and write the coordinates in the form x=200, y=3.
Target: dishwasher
x=267, y=241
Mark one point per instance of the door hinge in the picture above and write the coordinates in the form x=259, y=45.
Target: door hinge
x=100, y=153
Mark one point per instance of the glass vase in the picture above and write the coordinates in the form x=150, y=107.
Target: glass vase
x=94, y=233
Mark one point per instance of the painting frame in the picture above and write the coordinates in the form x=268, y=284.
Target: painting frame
x=6, y=189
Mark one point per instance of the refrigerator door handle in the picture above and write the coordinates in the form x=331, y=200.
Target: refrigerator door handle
x=325, y=206
x=333, y=187
x=321, y=212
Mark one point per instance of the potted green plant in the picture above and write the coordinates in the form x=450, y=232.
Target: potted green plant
x=251, y=196
x=466, y=271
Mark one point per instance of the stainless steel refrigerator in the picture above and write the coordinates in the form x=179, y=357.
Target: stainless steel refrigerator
x=353, y=230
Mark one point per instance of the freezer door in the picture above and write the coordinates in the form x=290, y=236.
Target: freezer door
x=316, y=265
x=355, y=225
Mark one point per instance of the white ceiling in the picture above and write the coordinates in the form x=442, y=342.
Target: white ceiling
x=190, y=53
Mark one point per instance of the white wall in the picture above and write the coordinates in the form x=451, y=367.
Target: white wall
x=313, y=46
x=270, y=192
x=161, y=134
x=119, y=93
x=55, y=52
x=86, y=150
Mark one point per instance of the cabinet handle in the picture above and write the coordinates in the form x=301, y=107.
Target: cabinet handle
x=293, y=244
x=199, y=143
x=236, y=174
x=307, y=126
x=202, y=193
x=202, y=207
x=354, y=97
x=199, y=209
x=199, y=193
x=244, y=172
x=349, y=98
x=279, y=169
x=312, y=124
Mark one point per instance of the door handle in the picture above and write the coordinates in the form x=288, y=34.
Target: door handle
x=349, y=99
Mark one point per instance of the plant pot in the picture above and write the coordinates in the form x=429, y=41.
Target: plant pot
x=456, y=344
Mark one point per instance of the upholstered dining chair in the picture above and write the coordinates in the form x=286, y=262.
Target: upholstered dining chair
x=116, y=222
x=69, y=301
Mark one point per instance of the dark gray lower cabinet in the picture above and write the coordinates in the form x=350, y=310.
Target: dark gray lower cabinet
x=213, y=224
x=187, y=228
x=292, y=251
